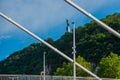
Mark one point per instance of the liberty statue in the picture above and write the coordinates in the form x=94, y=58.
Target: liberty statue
x=68, y=26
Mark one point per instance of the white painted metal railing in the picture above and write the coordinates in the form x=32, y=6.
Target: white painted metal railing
x=39, y=77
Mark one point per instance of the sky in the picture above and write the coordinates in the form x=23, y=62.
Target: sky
x=45, y=18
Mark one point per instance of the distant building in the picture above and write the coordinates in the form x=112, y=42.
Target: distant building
x=68, y=26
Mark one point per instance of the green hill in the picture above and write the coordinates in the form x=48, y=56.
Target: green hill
x=92, y=43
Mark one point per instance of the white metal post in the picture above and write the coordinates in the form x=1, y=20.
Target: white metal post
x=44, y=72
x=74, y=52
x=47, y=44
x=115, y=33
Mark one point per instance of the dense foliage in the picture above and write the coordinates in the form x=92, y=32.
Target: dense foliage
x=109, y=66
x=67, y=68
x=92, y=43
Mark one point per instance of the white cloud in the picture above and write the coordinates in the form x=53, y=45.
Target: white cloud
x=5, y=37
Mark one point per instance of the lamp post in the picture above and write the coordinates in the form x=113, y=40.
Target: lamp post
x=44, y=65
x=74, y=51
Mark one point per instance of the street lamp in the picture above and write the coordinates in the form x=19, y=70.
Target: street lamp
x=44, y=65
x=74, y=51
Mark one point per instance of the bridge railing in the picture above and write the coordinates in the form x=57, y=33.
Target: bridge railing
x=39, y=77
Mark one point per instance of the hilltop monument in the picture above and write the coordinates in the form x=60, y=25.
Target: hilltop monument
x=68, y=26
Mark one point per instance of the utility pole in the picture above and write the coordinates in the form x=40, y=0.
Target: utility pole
x=44, y=65
x=74, y=52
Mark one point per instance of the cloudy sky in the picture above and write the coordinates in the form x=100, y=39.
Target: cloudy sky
x=46, y=18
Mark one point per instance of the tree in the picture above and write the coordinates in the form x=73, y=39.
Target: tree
x=67, y=68
x=109, y=67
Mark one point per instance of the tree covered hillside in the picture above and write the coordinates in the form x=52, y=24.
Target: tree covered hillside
x=92, y=43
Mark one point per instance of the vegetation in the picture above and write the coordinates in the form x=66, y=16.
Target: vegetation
x=93, y=43
x=67, y=68
x=110, y=66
